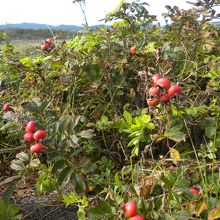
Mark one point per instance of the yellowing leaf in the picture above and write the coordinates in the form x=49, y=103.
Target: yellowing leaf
x=198, y=207
x=214, y=213
x=175, y=155
x=132, y=92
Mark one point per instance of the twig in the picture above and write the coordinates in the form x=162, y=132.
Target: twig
x=11, y=149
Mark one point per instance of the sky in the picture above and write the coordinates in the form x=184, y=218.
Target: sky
x=56, y=12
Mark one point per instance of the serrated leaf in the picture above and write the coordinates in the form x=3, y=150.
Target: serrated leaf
x=214, y=213
x=23, y=156
x=17, y=165
x=175, y=155
x=35, y=163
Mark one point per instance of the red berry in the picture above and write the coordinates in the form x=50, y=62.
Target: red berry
x=6, y=107
x=163, y=83
x=29, y=137
x=133, y=50
x=154, y=91
x=136, y=217
x=153, y=102
x=175, y=89
x=154, y=80
x=44, y=46
x=130, y=209
x=40, y=134
x=30, y=126
x=49, y=41
x=165, y=98
x=194, y=190
x=36, y=148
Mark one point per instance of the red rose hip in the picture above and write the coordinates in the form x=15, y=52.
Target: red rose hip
x=153, y=102
x=6, y=107
x=175, y=89
x=194, y=190
x=29, y=137
x=30, y=126
x=36, y=148
x=154, y=91
x=133, y=50
x=136, y=217
x=154, y=80
x=130, y=209
x=165, y=98
x=40, y=134
x=163, y=83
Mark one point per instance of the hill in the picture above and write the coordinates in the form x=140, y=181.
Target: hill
x=36, y=26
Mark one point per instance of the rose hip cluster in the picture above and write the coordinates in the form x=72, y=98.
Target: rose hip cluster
x=47, y=44
x=161, y=90
x=37, y=136
x=130, y=211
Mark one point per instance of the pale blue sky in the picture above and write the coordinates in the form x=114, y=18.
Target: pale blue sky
x=55, y=12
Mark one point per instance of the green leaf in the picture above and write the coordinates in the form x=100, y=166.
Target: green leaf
x=81, y=214
x=30, y=106
x=8, y=192
x=78, y=182
x=58, y=165
x=72, y=124
x=102, y=211
x=88, y=134
x=145, y=118
x=12, y=211
x=53, y=156
x=135, y=151
x=35, y=163
x=23, y=156
x=126, y=170
x=74, y=139
x=62, y=123
x=128, y=117
x=102, y=122
x=64, y=175
x=17, y=165
x=117, y=180
x=175, y=135
x=150, y=126
x=134, y=141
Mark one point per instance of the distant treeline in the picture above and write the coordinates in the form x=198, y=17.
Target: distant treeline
x=30, y=34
